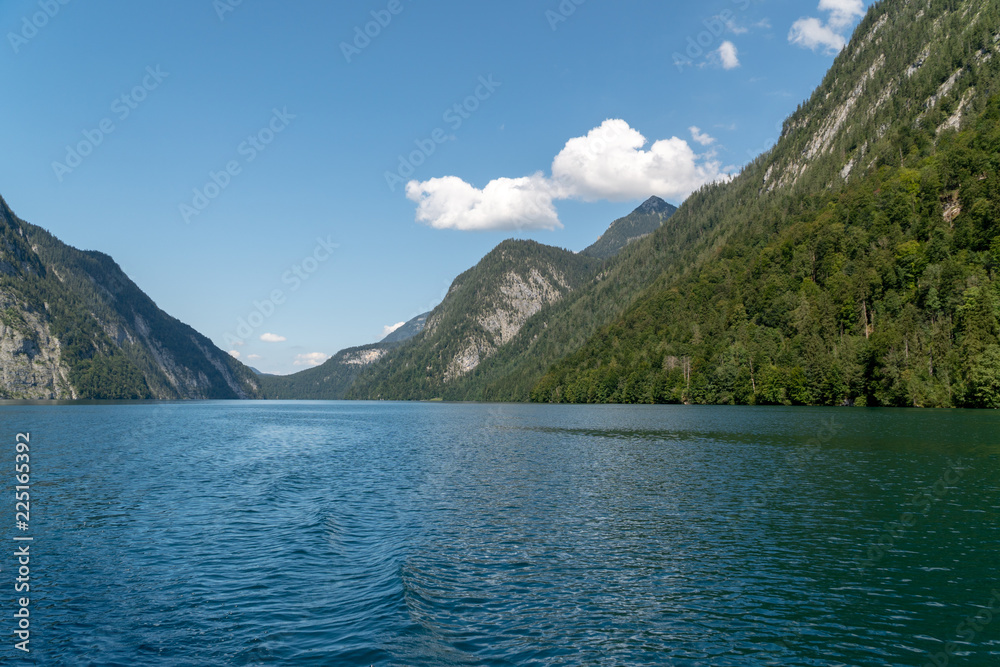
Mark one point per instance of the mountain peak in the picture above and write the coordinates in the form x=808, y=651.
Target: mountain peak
x=654, y=205
x=641, y=222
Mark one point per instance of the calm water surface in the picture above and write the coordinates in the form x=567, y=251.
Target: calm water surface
x=436, y=534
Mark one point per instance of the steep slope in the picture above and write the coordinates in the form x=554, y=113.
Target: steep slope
x=73, y=325
x=640, y=223
x=485, y=309
x=30, y=355
x=331, y=380
x=855, y=262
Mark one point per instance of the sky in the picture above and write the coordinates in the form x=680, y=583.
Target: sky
x=295, y=178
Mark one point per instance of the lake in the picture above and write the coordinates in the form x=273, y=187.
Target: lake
x=251, y=533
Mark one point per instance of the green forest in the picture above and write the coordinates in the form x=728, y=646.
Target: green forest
x=882, y=293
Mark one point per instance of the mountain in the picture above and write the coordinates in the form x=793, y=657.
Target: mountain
x=332, y=379
x=638, y=224
x=504, y=293
x=485, y=308
x=73, y=325
x=854, y=263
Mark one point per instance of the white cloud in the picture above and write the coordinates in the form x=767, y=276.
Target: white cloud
x=254, y=357
x=311, y=359
x=234, y=354
x=842, y=12
x=728, y=55
x=812, y=33
x=702, y=138
x=505, y=203
x=389, y=328
x=611, y=162
x=272, y=338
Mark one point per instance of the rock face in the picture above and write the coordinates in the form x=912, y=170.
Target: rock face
x=518, y=298
x=30, y=366
x=73, y=325
x=363, y=357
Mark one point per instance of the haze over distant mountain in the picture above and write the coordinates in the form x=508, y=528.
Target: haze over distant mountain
x=638, y=224
x=72, y=325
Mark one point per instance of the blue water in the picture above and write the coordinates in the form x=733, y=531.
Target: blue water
x=436, y=534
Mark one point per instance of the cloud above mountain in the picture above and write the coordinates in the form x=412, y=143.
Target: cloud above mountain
x=505, y=203
x=830, y=35
x=612, y=162
x=389, y=328
x=311, y=359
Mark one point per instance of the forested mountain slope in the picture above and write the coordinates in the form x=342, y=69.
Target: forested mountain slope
x=73, y=325
x=486, y=308
x=856, y=262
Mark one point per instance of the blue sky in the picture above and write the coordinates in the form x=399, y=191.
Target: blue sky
x=273, y=158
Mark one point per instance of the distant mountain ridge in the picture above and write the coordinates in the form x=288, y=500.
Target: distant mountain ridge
x=73, y=325
x=640, y=223
x=333, y=379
